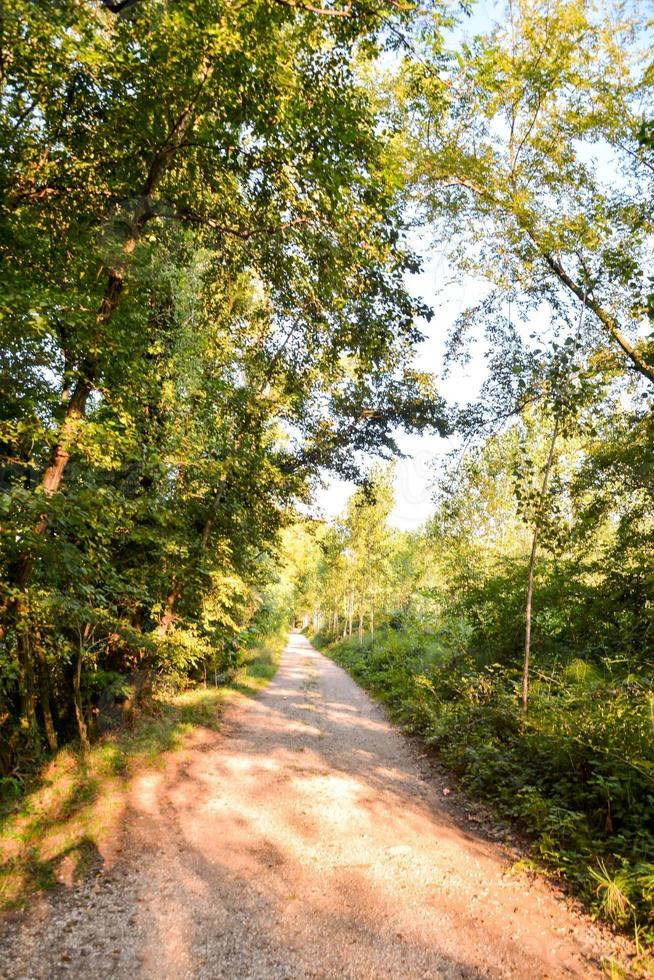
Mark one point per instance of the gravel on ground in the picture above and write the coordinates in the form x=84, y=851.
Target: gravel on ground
x=307, y=838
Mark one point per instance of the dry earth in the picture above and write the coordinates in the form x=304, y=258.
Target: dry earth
x=307, y=839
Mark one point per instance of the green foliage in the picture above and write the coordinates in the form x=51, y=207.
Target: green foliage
x=576, y=771
x=204, y=307
x=531, y=156
x=577, y=774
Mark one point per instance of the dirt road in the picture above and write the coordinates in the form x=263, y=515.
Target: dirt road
x=307, y=839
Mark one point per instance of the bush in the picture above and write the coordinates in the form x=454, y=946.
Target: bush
x=576, y=773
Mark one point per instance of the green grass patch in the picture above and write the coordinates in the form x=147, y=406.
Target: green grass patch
x=50, y=829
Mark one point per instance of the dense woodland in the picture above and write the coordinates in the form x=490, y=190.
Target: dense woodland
x=206, y=212
x=204, y=305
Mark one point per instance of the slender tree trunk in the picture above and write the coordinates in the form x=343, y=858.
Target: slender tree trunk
x=583, y=296
x=530, y=593
x=372, y=622
x=77, y=699
x=361, y=624
x=26, y=677
x=45, y=694
x=15, y=614
x=75, y=409
x=532, y=567
x=168, y=615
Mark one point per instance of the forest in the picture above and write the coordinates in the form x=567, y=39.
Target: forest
x=211, y=217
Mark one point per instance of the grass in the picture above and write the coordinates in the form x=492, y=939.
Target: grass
x=51, y=832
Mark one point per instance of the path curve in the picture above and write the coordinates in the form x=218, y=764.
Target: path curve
x=307, y=839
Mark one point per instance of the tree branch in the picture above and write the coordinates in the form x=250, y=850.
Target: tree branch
x=117, y=6
x=243, y=233
x=321, y=11
x=607, y=321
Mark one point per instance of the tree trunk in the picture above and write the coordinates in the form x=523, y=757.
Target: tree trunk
x=361, y=625
x=45, y=695
x=26, y=678
x=583, y=296
x=77, y=702
x=532, y=567
x=530, y=593
x=168, y=615
x=75, y=409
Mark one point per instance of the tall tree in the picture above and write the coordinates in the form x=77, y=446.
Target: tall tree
x=204, y=305
x=531, y=146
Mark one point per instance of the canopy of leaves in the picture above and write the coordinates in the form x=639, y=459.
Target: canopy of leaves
x=204, y=308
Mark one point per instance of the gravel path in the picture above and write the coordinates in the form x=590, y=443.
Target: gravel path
x=307, y=839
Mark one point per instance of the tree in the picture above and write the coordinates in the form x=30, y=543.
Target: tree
x=507, y=145
x=204, y=306
x=366, y=549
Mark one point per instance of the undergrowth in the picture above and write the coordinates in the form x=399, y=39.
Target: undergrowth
x=51, y=824
x=576, y=773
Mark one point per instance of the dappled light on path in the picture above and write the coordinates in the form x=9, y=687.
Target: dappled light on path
x=306, y=839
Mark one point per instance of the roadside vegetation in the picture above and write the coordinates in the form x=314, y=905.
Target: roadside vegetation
x=569, y=774
x=432, y=624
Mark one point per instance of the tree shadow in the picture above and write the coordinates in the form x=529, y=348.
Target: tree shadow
x=260, y=857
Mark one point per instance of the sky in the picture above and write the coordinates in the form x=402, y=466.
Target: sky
x=415, y=471
x=448, y=293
